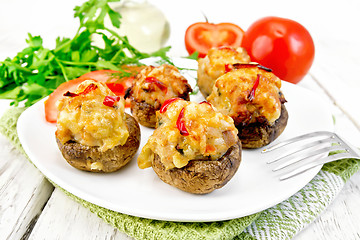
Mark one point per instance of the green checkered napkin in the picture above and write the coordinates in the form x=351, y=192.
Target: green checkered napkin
x=282, y=221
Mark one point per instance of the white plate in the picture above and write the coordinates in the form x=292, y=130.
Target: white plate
x=141, y=193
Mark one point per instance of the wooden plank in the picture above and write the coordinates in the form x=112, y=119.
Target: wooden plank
x=21, y=184
x=63, y=218
x=341, y=220
x=342, y=93
x=342, y=217
x=23, y=192
x=343, y=125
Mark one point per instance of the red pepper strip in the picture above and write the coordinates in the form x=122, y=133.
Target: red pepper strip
x=228, y=67
x=70, y=94
x=250, y=65
x=206, y=102
x=180, y=124
x=110, y=100
x=89, y=89
x=159, y=84
x=264, y=68
x=166, y=104
x=225, y=47
x=86, y=91
x=252, y=92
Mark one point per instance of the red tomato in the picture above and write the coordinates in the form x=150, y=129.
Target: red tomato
x=281, y=44
x=50, y=104
x=202, y=36
x=116, y=84
x=100, y=75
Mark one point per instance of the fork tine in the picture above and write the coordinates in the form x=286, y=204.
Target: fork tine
x=296, y=139
x=307, y=155
x=311, y=154
x=318, y=162
x=305, y=147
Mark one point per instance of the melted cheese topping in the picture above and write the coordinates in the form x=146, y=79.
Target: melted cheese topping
x=211, y=134
x=231, y=91
x=213, y=65
x=173, y=85
x=85, y=119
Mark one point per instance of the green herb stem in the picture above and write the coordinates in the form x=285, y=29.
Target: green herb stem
x=67, y=43
x=62, y=69
x=70, y=63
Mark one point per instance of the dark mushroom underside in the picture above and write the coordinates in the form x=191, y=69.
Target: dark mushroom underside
x=82, y=157
x=261, y=133
x=201, y=176
x=145, y=113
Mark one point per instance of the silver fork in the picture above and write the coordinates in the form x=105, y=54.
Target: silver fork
x=307, y=151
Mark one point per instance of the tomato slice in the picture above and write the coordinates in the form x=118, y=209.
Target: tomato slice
x=202, y=36
x=50, y=104
x=101, y=76
x=117, y=84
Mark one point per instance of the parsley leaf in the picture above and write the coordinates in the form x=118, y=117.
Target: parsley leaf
x=36, y=71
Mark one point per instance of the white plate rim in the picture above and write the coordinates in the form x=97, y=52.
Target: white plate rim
x=184, y=215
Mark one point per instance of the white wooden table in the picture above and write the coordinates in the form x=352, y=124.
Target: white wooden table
x=30, y=207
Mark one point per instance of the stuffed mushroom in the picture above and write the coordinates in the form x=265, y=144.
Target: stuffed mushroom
x=251, y=95
x=93, y=131
x=194, y=148
x=217, y=62
x=151, y=87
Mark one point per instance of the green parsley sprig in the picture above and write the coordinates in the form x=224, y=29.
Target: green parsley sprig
x=37, y=71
